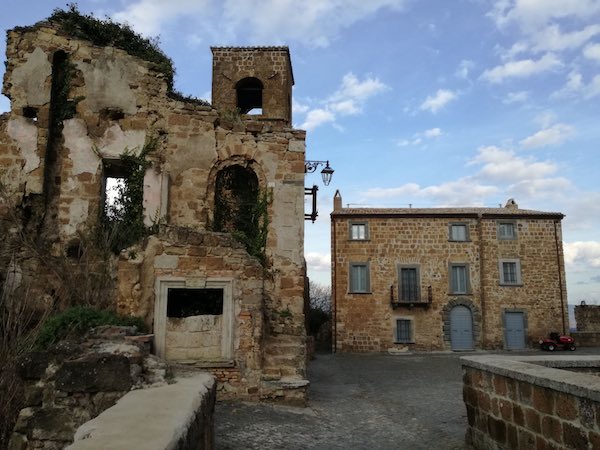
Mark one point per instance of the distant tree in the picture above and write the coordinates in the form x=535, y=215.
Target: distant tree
x=319, y=307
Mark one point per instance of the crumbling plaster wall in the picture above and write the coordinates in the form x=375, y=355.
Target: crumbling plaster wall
x=121, y=101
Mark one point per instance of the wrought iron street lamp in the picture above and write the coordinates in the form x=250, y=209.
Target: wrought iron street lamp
x=326, y=174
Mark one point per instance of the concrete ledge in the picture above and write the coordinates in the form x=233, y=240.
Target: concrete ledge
x=544, y=370
x=176, y=416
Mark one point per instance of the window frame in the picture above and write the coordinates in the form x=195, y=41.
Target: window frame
x=351, y=266
x=417, y=268
x=411, y=331
x=451, y=225
x=503, y=237
x=351, y=226
x=467, y=269
x=518, y=275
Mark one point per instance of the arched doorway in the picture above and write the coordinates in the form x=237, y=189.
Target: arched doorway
x=461, y=328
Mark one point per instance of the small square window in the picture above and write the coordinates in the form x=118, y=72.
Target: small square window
x=459, y=232
x=510, y=272
x=359, y=231
x=359, y=278
x=507, y=230
x=404, y=331
x=459, y=279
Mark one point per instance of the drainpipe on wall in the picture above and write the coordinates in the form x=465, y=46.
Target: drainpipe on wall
x=560, y=282
x=481, y=277
x=333, y=288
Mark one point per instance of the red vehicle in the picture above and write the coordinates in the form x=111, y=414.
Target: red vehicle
x=557, y=341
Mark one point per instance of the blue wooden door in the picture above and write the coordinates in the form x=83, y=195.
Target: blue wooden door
x=514, y=328
x=461, y=328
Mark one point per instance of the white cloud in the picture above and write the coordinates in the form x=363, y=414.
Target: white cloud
x=348, y=99
x=532, y=14
x=298, y=107
x=505, y=166
x=592, y=51
x=317, y=117
x=586, y=253
x=521, y=69
x=516, y=97
x=320, y=262
x=436, y=102
x=149, y=16
x=553, y=135
x=576, y=87
x=464, y=68
x=417, y=138
x=355, y=89
x=551, y=38
x=432, y=132
x=313, y=22
x=461, y=192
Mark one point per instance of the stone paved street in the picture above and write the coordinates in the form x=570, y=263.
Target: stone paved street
x=359, y=401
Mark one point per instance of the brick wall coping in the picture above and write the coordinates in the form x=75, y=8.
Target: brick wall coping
x=153, y=419
x=544, y=371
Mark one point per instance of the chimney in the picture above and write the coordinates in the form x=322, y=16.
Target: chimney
x=337, y=201
x=511, y=204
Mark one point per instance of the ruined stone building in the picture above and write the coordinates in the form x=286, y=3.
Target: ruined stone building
x=445, y=278
x=219, y=273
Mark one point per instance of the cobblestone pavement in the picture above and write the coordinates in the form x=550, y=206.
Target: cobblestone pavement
x=358, y=401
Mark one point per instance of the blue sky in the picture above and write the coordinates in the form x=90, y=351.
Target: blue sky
x=422, y=102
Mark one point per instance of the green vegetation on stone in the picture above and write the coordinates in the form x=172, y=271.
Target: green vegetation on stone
x=77, y=320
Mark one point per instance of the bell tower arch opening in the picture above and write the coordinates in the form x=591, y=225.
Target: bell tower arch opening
x=249, y=95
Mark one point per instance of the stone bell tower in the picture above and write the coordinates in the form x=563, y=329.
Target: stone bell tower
x=257, y=80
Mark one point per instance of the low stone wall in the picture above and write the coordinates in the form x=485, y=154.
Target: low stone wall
x=587, y=317
x=178, y=416
x=586, y=338
x=524, y=402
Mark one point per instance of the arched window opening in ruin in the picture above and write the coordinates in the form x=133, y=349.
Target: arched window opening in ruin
x=250, y=95
x=236, y=197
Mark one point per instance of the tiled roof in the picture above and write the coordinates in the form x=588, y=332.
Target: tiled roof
x=454, y=212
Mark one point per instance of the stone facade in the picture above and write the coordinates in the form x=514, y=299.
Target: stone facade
x=54, y=175
x=445, y=290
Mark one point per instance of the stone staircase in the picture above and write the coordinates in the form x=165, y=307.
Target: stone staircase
x=283, y=373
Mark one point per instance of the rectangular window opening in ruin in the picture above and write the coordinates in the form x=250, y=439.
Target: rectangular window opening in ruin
x=113, y=188
x=187, y=302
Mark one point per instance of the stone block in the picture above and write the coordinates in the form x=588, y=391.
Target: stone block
x=33, y=365
x=573, y=436
x=166, y=261
x=96, y=372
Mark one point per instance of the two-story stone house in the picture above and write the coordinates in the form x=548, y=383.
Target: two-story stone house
x=445, y=278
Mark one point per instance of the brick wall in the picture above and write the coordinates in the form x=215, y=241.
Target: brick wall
x=519, y=405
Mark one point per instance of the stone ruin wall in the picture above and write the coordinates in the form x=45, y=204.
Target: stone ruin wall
x=121, y=102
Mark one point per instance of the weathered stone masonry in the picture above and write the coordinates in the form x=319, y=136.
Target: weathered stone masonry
x=388, y=241
x=119, y=102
